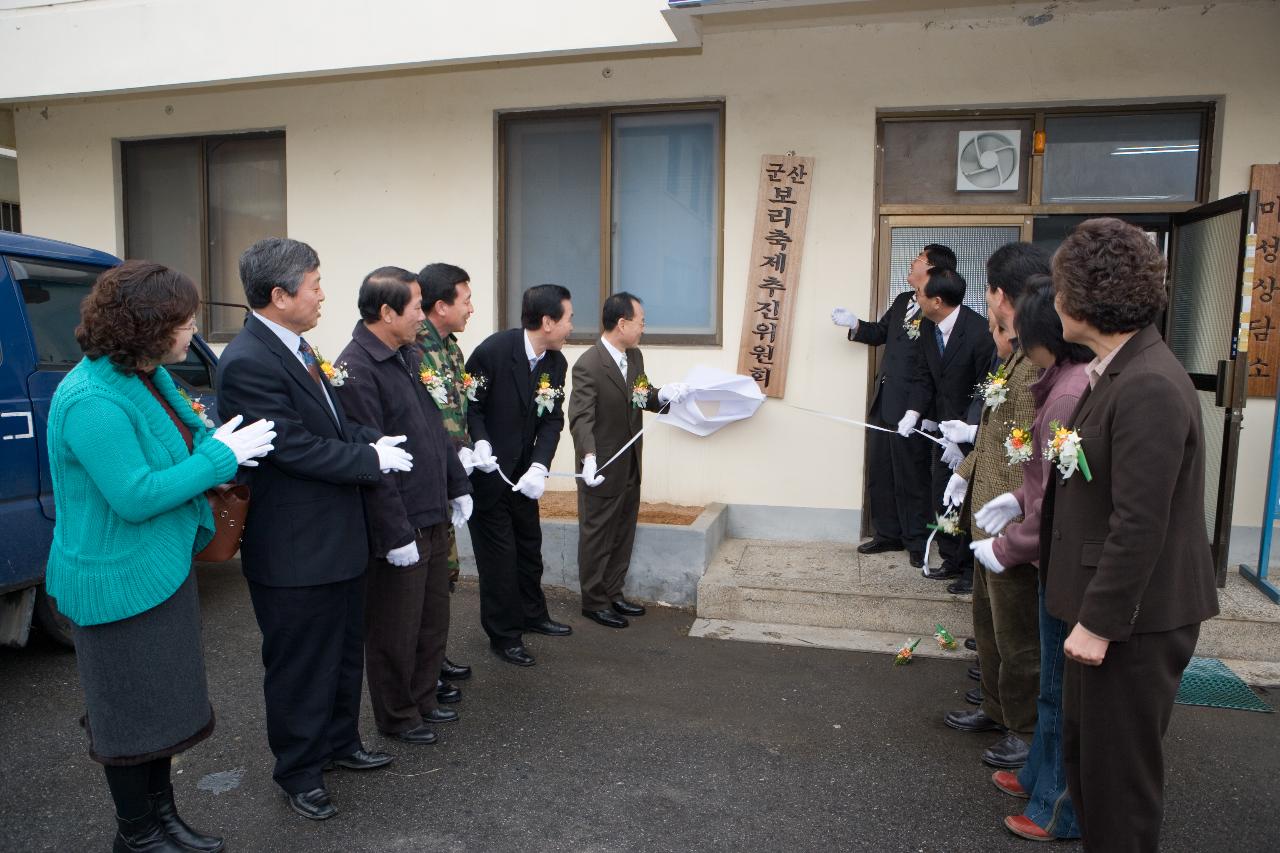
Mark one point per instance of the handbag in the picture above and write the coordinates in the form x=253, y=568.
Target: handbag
x=230, y=505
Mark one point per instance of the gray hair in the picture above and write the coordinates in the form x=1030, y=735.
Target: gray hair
x=275, y=262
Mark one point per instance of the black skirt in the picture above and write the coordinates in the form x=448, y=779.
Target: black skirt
x=144, y=683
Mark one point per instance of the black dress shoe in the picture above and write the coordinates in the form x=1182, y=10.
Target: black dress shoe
x=974, y=696
x=421, y=736
x=516, y=655
x=549, y=627
x=447, y=693
x=607, y=618
x=626, y=608
x=450, y=671
x=975, y=672
x=176, y=828
x=917, y=559
x=441, y=715
x=360, y=760
x=972, y=721
x=1009, y=753
x=877, y=545
x=971, y=644
x=313, y=804
x=143, y=835
x=960, y=587
x=941, y=573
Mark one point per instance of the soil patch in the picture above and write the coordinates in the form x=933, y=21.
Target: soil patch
x=565, y=505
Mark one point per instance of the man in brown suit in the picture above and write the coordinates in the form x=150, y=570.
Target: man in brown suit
x=1124, y=553
x=610, y=392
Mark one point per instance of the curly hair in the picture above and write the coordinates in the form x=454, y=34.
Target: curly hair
x=132, y=312
x=1110, y=275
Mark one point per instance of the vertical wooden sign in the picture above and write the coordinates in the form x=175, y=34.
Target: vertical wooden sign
x=782, y=210
x=1264, y=308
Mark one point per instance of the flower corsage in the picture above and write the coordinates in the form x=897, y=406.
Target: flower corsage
x=948, y=522
x=335, y=373
x=904, y=655
x=995, y=388
x=945, y=640
x=545, y=396
x=911, y=326
x=436, y=385
x=1017, y=445
x=198, y=407
x=640, y=392
x=472, y=384
x=1065, y=450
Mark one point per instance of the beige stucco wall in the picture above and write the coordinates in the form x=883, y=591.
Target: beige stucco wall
x=399, y=169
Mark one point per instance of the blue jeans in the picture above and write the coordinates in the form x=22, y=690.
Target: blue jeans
x=1044, y=776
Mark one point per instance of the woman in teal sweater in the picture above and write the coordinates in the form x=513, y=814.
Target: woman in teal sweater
x=130, y=459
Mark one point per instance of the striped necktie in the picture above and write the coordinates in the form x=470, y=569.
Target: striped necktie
x=942, y=343
x=309, y=359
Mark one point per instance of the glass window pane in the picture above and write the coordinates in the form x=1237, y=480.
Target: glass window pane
x=922, y=161
x=552, y=213
x=1121, y=158
x=52, y=294
x=162, y=205
x=246, y=204
x=666, y=217
x=973, y=244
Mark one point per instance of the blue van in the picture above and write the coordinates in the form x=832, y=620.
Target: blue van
x=41, y=285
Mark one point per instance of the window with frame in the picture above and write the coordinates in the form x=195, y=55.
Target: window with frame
x=195, y=204
x=616, y=199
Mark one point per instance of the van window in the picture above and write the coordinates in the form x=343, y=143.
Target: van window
x=52, y=292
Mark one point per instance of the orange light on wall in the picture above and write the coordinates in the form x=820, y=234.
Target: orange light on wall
x=1037, y=142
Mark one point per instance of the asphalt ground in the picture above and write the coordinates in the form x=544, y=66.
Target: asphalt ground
x=635, y=740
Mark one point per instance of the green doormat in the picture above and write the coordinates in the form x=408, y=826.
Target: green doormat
x=1209, y=682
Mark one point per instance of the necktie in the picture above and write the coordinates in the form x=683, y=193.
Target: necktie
x=942, y=343
x=309, y=359
x=622, y=364
x=533, y=364
x=913, y=308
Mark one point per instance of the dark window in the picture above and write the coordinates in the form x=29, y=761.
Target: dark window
x=10, y=216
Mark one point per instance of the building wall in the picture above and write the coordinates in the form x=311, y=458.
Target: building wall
x=400, y=169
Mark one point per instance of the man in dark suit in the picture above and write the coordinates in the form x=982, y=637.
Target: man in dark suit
x=610, y=392
x=1124, y=553
x=407, y=582
x=305, y=544
x=516, y=420
x=956, y=349
x=898, y=472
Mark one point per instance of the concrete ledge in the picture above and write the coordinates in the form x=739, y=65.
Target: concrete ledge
x=666, y=564
x=794, y=523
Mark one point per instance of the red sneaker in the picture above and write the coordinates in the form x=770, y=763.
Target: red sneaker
x=1008, y=782
x=1025, y=828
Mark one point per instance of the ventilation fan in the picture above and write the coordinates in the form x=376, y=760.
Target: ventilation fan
x=988, y=160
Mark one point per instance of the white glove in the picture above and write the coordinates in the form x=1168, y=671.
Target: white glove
x=957, y=488
x=985, y=551
x=928, y=425
x=485, y=461
x=390, y=457
x=958, y=432
x=952, y=455
x=468, y=459
x=589, y=475
x=844, y=317
x=533, y=483
x=672, y=393
x=998, y=512
x=462, y=505
x=405, y=555
x=908, y=423
x=247, y=443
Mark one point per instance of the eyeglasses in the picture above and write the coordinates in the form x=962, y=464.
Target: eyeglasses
x=190, y=327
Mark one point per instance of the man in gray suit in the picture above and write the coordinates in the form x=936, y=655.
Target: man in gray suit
x=610, y=392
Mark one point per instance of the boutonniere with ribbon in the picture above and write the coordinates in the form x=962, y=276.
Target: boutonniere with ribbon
x=473, y=384
x=201, y=410
x=335, y=373
x=640, y=392
x=995, y=388
x=545, y=396
x=435, y=383
x=905, y=654
x=948, y=522
x=1065, y=450
x=946, y=641
x=911, y=326
x=1017, y=445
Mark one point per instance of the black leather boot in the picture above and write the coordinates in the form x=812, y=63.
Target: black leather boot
x=176, y=828
x=143, y=835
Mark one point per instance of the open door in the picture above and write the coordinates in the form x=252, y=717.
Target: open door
x=1202, y=327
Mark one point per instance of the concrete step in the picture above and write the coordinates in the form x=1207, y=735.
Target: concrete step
x=823, y=585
